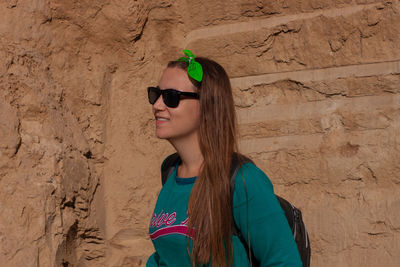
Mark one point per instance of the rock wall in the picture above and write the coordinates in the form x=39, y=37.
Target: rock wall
x=317, y=89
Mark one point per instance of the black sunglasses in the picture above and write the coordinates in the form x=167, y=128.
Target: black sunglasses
x=170, y=97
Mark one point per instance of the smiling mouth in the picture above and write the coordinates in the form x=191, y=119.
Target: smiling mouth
x=162, y=119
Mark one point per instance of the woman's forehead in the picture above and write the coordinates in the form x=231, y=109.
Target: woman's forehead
x=176, y=78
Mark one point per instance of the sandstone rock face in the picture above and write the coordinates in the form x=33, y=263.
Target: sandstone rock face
x=317, y=90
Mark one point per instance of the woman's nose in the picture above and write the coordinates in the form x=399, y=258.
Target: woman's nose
x=159, y=104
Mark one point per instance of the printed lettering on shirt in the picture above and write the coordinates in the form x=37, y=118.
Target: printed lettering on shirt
x=185, y=221
x=162, y=219
x=166, y=219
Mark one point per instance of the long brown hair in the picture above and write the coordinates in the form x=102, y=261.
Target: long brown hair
x=210, y=203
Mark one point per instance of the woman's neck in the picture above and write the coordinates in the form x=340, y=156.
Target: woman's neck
x=190, y=154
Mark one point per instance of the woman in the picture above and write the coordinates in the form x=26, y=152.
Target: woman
x=193, y=220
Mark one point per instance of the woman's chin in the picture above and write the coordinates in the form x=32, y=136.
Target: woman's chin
x=161, y=135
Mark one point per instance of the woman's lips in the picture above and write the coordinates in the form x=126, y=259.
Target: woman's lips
x=160, y=121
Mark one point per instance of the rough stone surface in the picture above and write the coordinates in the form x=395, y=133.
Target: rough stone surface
x=307, y=43
x=317, y=91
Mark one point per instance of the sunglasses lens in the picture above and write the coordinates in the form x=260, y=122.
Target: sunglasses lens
x=171, y=98
x=153, y=93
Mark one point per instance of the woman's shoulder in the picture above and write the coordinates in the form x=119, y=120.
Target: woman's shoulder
x=250, y=175
x=254, y=188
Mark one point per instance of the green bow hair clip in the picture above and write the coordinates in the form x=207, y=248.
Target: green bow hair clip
x=195, y=70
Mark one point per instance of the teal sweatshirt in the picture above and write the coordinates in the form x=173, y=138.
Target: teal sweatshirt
x=270, y=235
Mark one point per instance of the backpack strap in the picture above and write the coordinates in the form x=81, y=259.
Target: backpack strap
x=168, y=166
x=237, y=161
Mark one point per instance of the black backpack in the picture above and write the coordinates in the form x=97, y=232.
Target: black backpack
x=293, y=215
